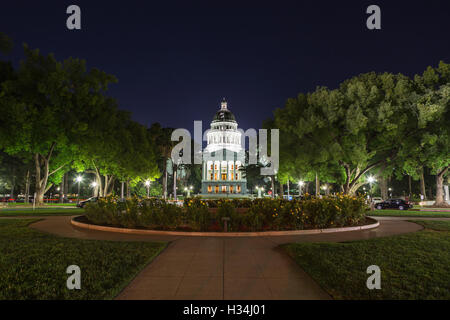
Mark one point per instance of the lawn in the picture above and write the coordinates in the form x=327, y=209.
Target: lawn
x=17, y=212
x=33, y=264
x=408, y=213
x=413, y=266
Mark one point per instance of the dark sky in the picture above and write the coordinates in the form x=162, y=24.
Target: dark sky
x=175, y=60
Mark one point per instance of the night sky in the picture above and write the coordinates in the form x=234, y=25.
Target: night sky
x=175, y=60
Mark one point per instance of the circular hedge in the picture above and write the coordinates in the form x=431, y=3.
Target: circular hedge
x=196, y=214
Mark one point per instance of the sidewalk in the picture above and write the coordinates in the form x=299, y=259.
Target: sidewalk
x=230, y=268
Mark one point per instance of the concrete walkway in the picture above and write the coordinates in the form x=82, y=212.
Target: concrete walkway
x=224, y=268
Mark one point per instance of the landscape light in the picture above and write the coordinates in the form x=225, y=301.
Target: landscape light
x=371, y=179
x=300, y=183
x=147, y=183
x=94, y=184
x=79, y=179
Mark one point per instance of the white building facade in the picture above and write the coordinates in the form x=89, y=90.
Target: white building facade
x=223, y=157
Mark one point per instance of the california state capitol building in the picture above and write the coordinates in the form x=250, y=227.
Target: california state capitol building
x=223, y=157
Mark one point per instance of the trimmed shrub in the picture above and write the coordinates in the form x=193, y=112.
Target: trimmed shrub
x=262, y=214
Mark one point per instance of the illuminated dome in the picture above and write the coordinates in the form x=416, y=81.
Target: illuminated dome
x=224, y=115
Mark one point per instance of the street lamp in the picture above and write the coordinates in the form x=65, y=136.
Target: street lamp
x=147, y=184
x=300, y=184
x=371, y=180
x=78, y=179
x=390, y=192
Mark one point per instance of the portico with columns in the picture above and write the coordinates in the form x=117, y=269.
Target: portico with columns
x=223, y=157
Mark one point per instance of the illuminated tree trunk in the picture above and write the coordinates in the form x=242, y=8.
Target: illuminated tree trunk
x=383, y=187
x=175, y=182
x=440, y=202
x=27, y=187
x=61, y=189
x=317, y=185
x=422, y=185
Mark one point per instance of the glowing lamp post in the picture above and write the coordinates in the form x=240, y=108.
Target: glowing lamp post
x=147, y=185
x=78, y=179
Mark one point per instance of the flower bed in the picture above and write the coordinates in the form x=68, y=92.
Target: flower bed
x=245, y=215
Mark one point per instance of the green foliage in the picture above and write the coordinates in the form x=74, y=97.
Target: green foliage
x=413, y=266
x=260, y=215
x=33, y=264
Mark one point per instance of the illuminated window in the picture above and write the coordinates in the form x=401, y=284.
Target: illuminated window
x=231, y=189
x=209, y=189
x=238, y=189
x=224, y=189
x=212, y=177
x=216, y=189
x=236, y=176
x=211, y=167
x=224, y=176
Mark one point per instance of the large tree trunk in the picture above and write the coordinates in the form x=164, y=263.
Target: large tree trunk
x=41, y=178
x=13, y=183
x=66, y=184
x=43, y=173
x=61, y=190
x=318, y=185
x=422, y=185
x=382, y=181
x=281, y=190
x=128, y=189
x=409, y=186
x=109, y=183
x=440, y=202
x=27, y=187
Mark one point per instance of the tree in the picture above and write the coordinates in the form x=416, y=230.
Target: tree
x=430, y=145
x=346, y=132
x=47, y=105
x=162, y=139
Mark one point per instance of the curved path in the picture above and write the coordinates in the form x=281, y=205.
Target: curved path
x=224, y=268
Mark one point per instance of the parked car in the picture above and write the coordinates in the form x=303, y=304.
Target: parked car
x=81, y=204
x=377, y=200
x=394, y=204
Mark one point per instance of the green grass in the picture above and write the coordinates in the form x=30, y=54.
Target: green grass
x=408, y=213
x=413, y=266
x=33, y=264
x=434, y=225
x=17, y=212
